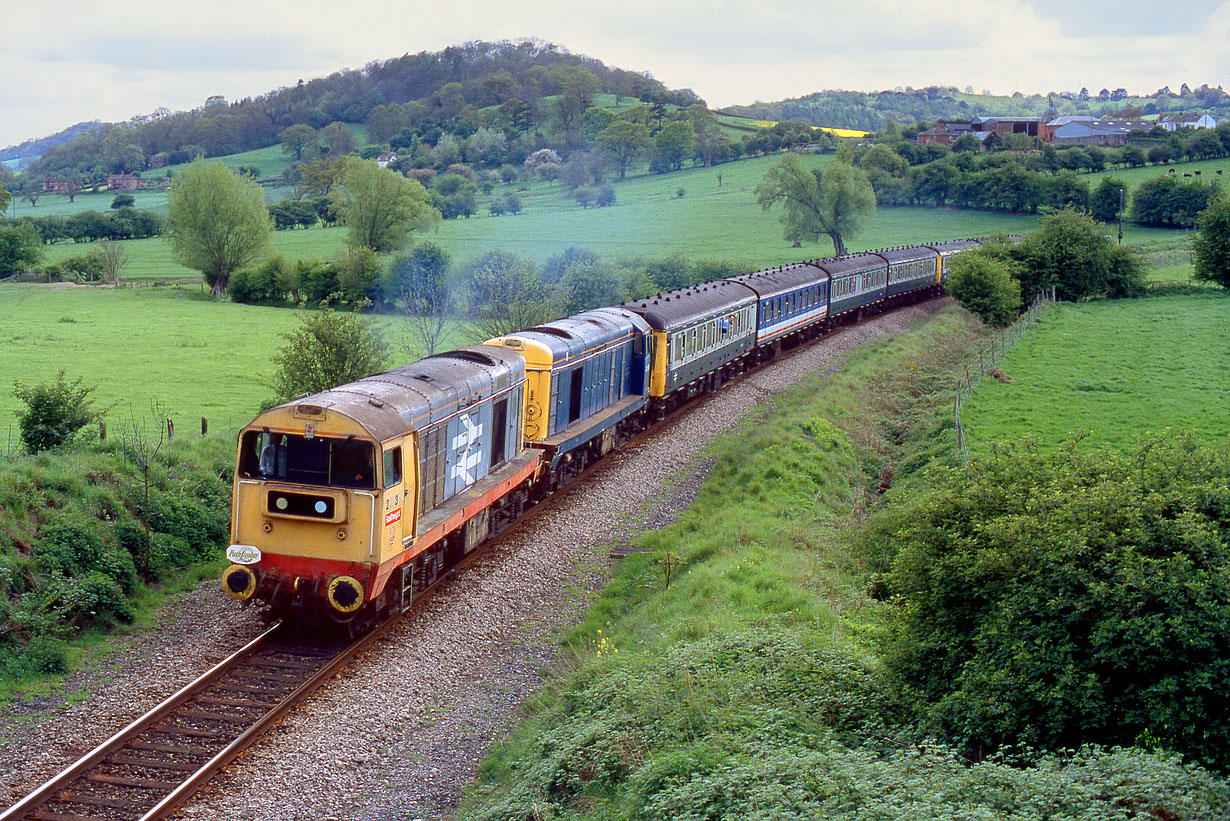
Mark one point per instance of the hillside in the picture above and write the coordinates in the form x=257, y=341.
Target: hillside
x=872, y=111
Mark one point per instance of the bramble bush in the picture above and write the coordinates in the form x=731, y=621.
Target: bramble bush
x=54, y=412
x=1053, y=600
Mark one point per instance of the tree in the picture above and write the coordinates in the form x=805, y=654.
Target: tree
x=298, y=140
x=1168, y=202
x=1212, y=243
x=671, y=146
x=54, y=412
x=336, y=139
x=32, y=190
x=1069, y=252
x=1104, y=202
x=625, y=143
x=5, y=199
x=112, y=259
x=455, y=195
x=507, y=295
x=544, y=162
x=986, y=287
x=419, y=279
x=21, y=248
x=836, y=201
x=381, y=207
x=1066, y=598
x=122, y=201
x=326, y=350
x=216, y=221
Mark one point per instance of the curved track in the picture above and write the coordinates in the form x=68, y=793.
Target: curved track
x=153, y=764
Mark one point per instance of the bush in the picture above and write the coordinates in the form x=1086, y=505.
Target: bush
x=1212, y=244
x=987, y=288
x=54, y=413
x=606, y=195
x=123, y=201
x=1051, y=600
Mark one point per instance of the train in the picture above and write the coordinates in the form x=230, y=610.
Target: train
x=349, y=503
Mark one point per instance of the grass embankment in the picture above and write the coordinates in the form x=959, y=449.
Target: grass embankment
x=730, y=671
x=1117, y=368
x=90, y=536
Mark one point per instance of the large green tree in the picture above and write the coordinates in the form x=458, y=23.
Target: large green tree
x=1213, y=241
x=835, y=202
x=624, y=143
x=1070, y=252
x=21, y=247
x=381, y=207
x=217, y=221
x=298, y=140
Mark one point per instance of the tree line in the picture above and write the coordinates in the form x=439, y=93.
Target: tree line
x=906, y=173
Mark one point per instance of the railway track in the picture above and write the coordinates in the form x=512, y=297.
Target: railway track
x=159, y=760
x=156, y=763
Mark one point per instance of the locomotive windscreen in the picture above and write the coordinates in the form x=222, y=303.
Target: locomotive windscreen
x=321, y=461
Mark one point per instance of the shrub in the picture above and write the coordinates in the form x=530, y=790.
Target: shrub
x=54, y=413
x=606, y=195
x=1068, y=598
x=987, y=288
x=1212, y=244
x=123, y=201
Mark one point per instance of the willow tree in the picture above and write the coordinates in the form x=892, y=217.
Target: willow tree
x=217, y=221
x=835, y=202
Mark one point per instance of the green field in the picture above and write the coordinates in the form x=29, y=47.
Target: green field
x=1133, y=177
x=648, y=219
x=194, y=356
x=1118, y=368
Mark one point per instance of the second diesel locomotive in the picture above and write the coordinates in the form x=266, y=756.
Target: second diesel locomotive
x=348, y=503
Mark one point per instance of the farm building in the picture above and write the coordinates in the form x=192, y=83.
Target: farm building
x=1192, y=119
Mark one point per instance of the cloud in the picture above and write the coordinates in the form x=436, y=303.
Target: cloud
x=70, y=60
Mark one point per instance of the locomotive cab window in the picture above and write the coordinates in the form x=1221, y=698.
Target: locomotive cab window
x=320, y=460
x=392, y=467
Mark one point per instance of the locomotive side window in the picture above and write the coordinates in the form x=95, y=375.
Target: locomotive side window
x=392, y=467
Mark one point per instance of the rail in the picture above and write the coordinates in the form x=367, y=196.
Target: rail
x=151, y=766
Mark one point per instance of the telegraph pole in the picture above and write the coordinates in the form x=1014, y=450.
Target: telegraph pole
x=1120, y=216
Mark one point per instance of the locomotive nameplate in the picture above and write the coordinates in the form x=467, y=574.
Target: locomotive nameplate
x=243, y=554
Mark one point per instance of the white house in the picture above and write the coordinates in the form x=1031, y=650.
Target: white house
x=1189, y=120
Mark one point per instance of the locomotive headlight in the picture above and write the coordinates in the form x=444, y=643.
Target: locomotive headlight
x=239, y=582
x=345, y=594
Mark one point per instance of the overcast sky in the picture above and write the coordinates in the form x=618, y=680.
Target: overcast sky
x=64, y=61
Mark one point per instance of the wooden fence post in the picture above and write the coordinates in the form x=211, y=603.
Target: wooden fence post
x=204, y=426
x=170, y=428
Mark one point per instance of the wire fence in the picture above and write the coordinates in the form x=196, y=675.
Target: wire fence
x=1001, y=343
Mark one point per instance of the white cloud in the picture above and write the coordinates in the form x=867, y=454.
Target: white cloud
x=69, y=60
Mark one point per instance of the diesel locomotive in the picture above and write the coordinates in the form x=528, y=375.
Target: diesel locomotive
x=348, y=503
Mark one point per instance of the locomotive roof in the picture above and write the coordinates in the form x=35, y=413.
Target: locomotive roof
x=413, y=396
x=686, y=306
x=573, y=336
x=784, y=279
